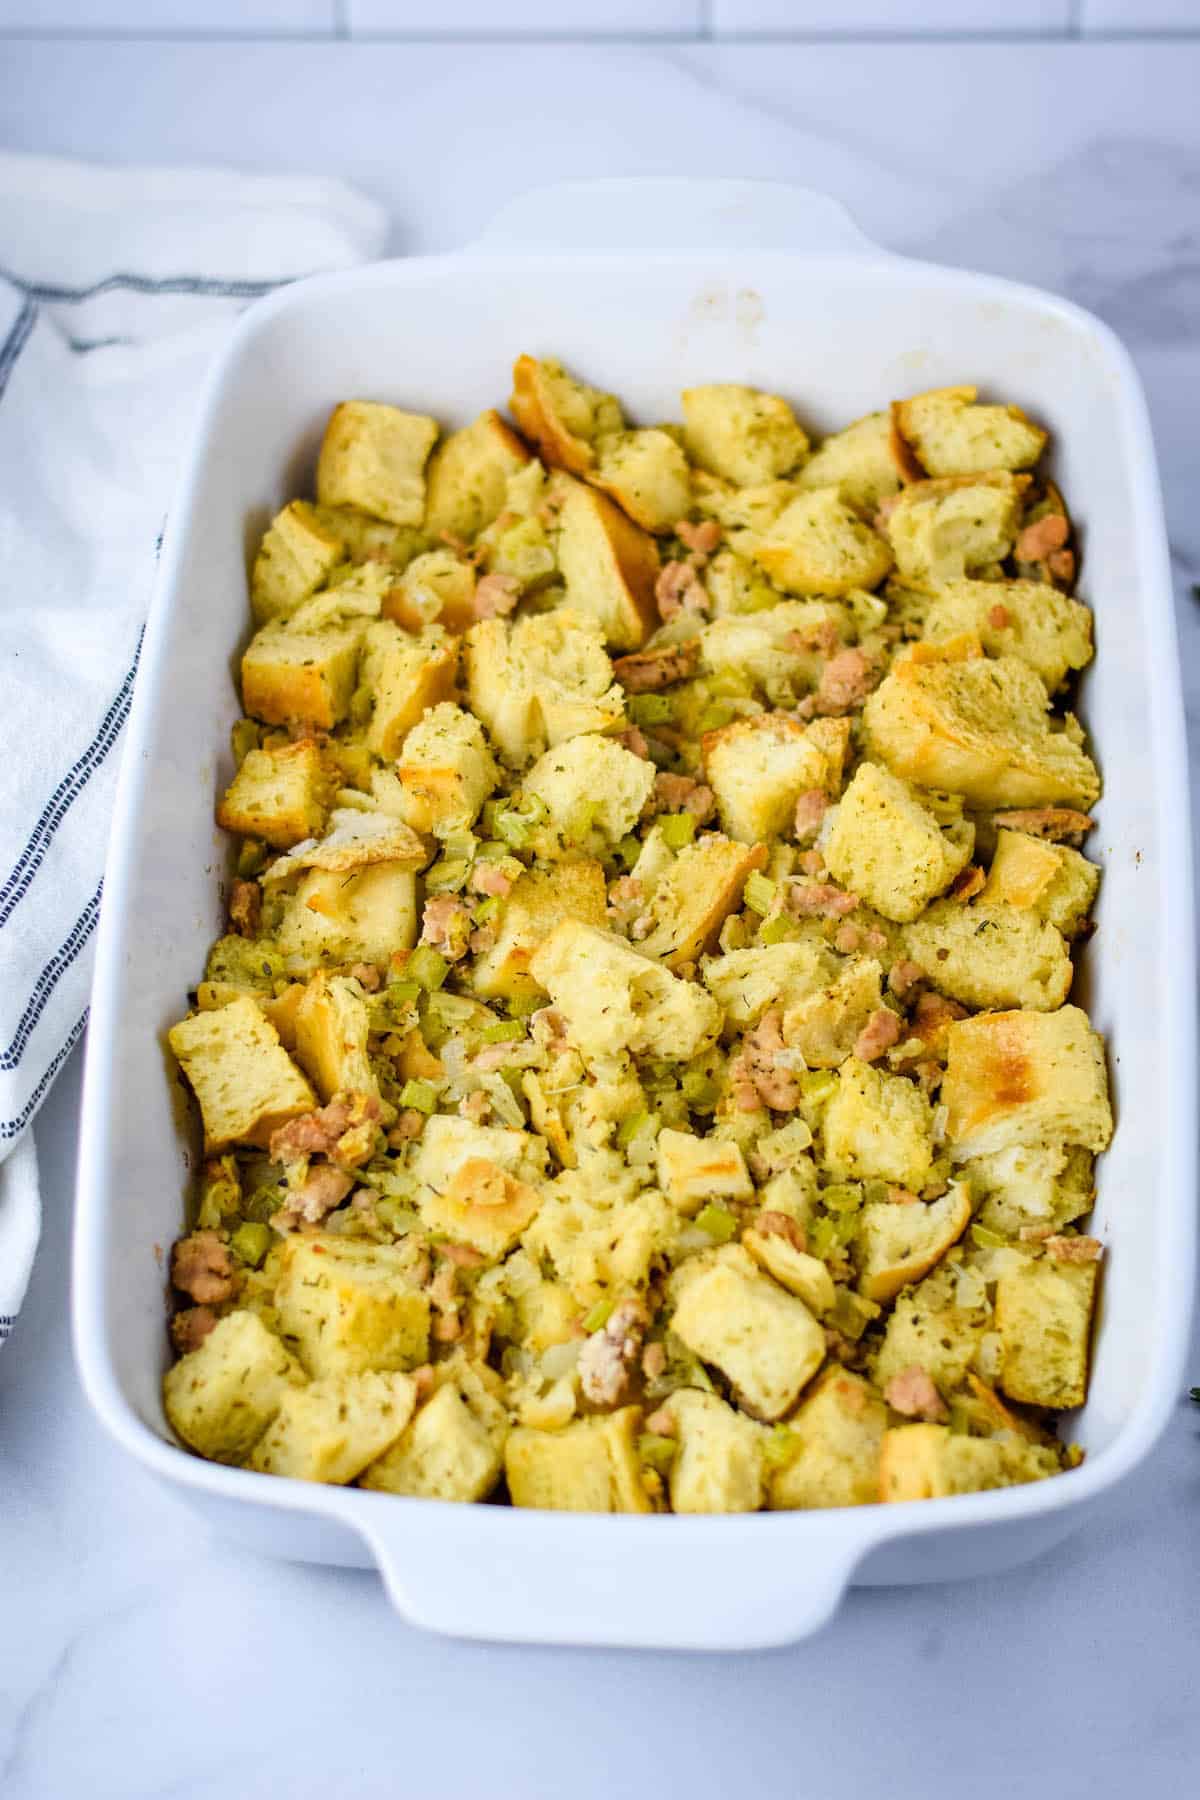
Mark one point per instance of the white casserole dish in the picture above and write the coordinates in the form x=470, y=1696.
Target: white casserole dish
x=782, y=292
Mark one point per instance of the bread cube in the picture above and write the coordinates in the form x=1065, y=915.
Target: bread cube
x=609, y=564
x=613, y=998
x=483, y=1206
x=735, y=587
x=803, y=1275
x=987, y=955
x=244, y=1081
x=1025, y=1078
x=590, y=1466
x=747, y=982
x=468, y=475
x=824, y=1024
x=696, y=895
x=280, y=795
x=538, y=901
x=694, y=1169
x=351, y=1305
x=960, y=525
x=221, y=1397
x=1053, y=881
x=331, y=1037
x=978, y=727
x=889, y=849
x=878, y=1127
x=899, y=1243
x=837, y=1433
x=1044, y=1317
x=718, y=1467
x=759, y=767
x=299, y=552
x=450, y=1143
x=295, y=677
x=819, y=545
x=646, y=473
x=742, y=434
x=598, y=1237
x=858, y=462
x=330, y=1430
x=437, y=587
x=1045, y=1186
x=335, y=917
x=1027, y=619
x=764, y=1341
x=779, y=648
x=446, y=771
x=405, y=674
x=952, y=435
x=448, y=1452
x=371, y=541
x=373, y=458
x=925, y=1329
x=543, y=679
x=354, y=839
x=562, y=417
x=927, y=1462
x=593, y=788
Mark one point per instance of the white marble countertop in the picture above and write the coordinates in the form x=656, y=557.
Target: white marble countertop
x=139, y=1656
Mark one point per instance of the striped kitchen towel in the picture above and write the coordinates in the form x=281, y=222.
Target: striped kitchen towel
x=116, y=286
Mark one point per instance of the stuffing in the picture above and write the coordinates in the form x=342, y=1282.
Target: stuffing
x=878, y=1126
x=1026, y=619
x=859, y=462
x=759, y=767
x=988, y=955
x=734, y=586
x=745, y=436
x=696, y=895
x=781, y=650
x=609, y=564
x=1025, y=1078
x=889, y=848
x=562, y=417
x=333, y=917
x=927, y=1462
x=646, y=473
x=280, y=795
x=540, y=680
x=403, y=674
x=614, y=998
x=590, y=1466
x=351, y=1306
x=373, y=459
x=299, y=552
x=819, y=545
x=828, y=1024
x=592, y=788
x=1052, y=881
x=246, y=1085
x=692, y=1170
x=959, y=525
x=221, y=1397
x=467, y=478
x=746, y=982
x=951, y=434
x=1043, y=1315
x=452, y=1449
x=833, y=1445
x=437, y=588
x=764, y=1340
x=292, y=676
x=900, y=1242
x=331, y=1031
x=446, y=771
x=539, y=900
x=330, y=1430
x=718, y=1466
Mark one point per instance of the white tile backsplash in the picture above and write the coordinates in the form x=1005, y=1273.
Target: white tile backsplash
x=900, y=18
x=546, y=18
x=1140, y=15
x=219, y=18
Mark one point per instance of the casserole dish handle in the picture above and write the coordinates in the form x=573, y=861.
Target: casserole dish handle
x=676, y=214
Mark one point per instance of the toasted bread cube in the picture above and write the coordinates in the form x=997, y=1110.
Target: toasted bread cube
x=764, y=1341
x=280, y=795
x=436, y=588
x=747, y=982
x=976, y=726
x=449, y=1143
x=609, y=564
x=590, y=1466
x=221, y=1397
x=719, y=1466
x=299, y=552
x=1027, y=619
x=299, y=677
x=858, y=462
x=561, y=416
x=693, y=1169
x=696, y=895
x=613, y=998
x=819, y=545
x=1025, y=1078
x=824, y=1024
x=746, y=436
x=1044, y=1317
x=368, y=540
x=926, y=1329
x=351, y=1305
x=1052, y=880
x=1046, y=1186
x=539, y=900
x=468, y=476
x=244, y=1081
x=405, y=674
x=330, y=1430
x=803, y=1275
x=778, y=648
x=484, y=1206
x=759, y=767
x=836, y=1433
x=353, y=839
x=952, y=435
x=345, y=918
x=646, y=473
x=960, y=525
x=593, y=788
x=991, y=956
x=889, y=849
x=735, y=587
x=446, y=770
x=597, y=1240
x=927, y=1462
x=279, y=1009
x=373, y=458
x=878, y=1127
x=543, y=679
x=448, y=1452
x=899, y=1243
x=331, y=1037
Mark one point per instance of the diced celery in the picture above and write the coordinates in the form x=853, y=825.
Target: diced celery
x=513, y=829
x=519, y=1006
x=658, y=1453
x=504, y=1031
x=651, y=709
x=598, y=1317
x=677, y=829
x=251, y=858
x=427, y=967
x=987, y=1240
x=699, y=1090
x=717, y=1223
x=402, y=992
x=776, y=931
x=447, y=875
x=420, y=1095
x=759, y=893
x=398, y=1218
x=842, y=1196
x=250, y=1242
x=627, y=851
x=244, y=737
x=629, y=1127
x=779, y=1446
x=487, y=909
x=821, y=1236
x=717, y=714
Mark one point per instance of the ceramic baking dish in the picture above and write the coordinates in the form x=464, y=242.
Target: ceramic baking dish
x=645, y=287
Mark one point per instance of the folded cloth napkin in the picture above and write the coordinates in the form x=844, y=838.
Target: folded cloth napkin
x=116, y=286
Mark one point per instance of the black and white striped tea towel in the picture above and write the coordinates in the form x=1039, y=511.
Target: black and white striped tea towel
x=116, y=286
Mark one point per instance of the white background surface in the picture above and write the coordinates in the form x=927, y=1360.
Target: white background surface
x=140, y=1657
